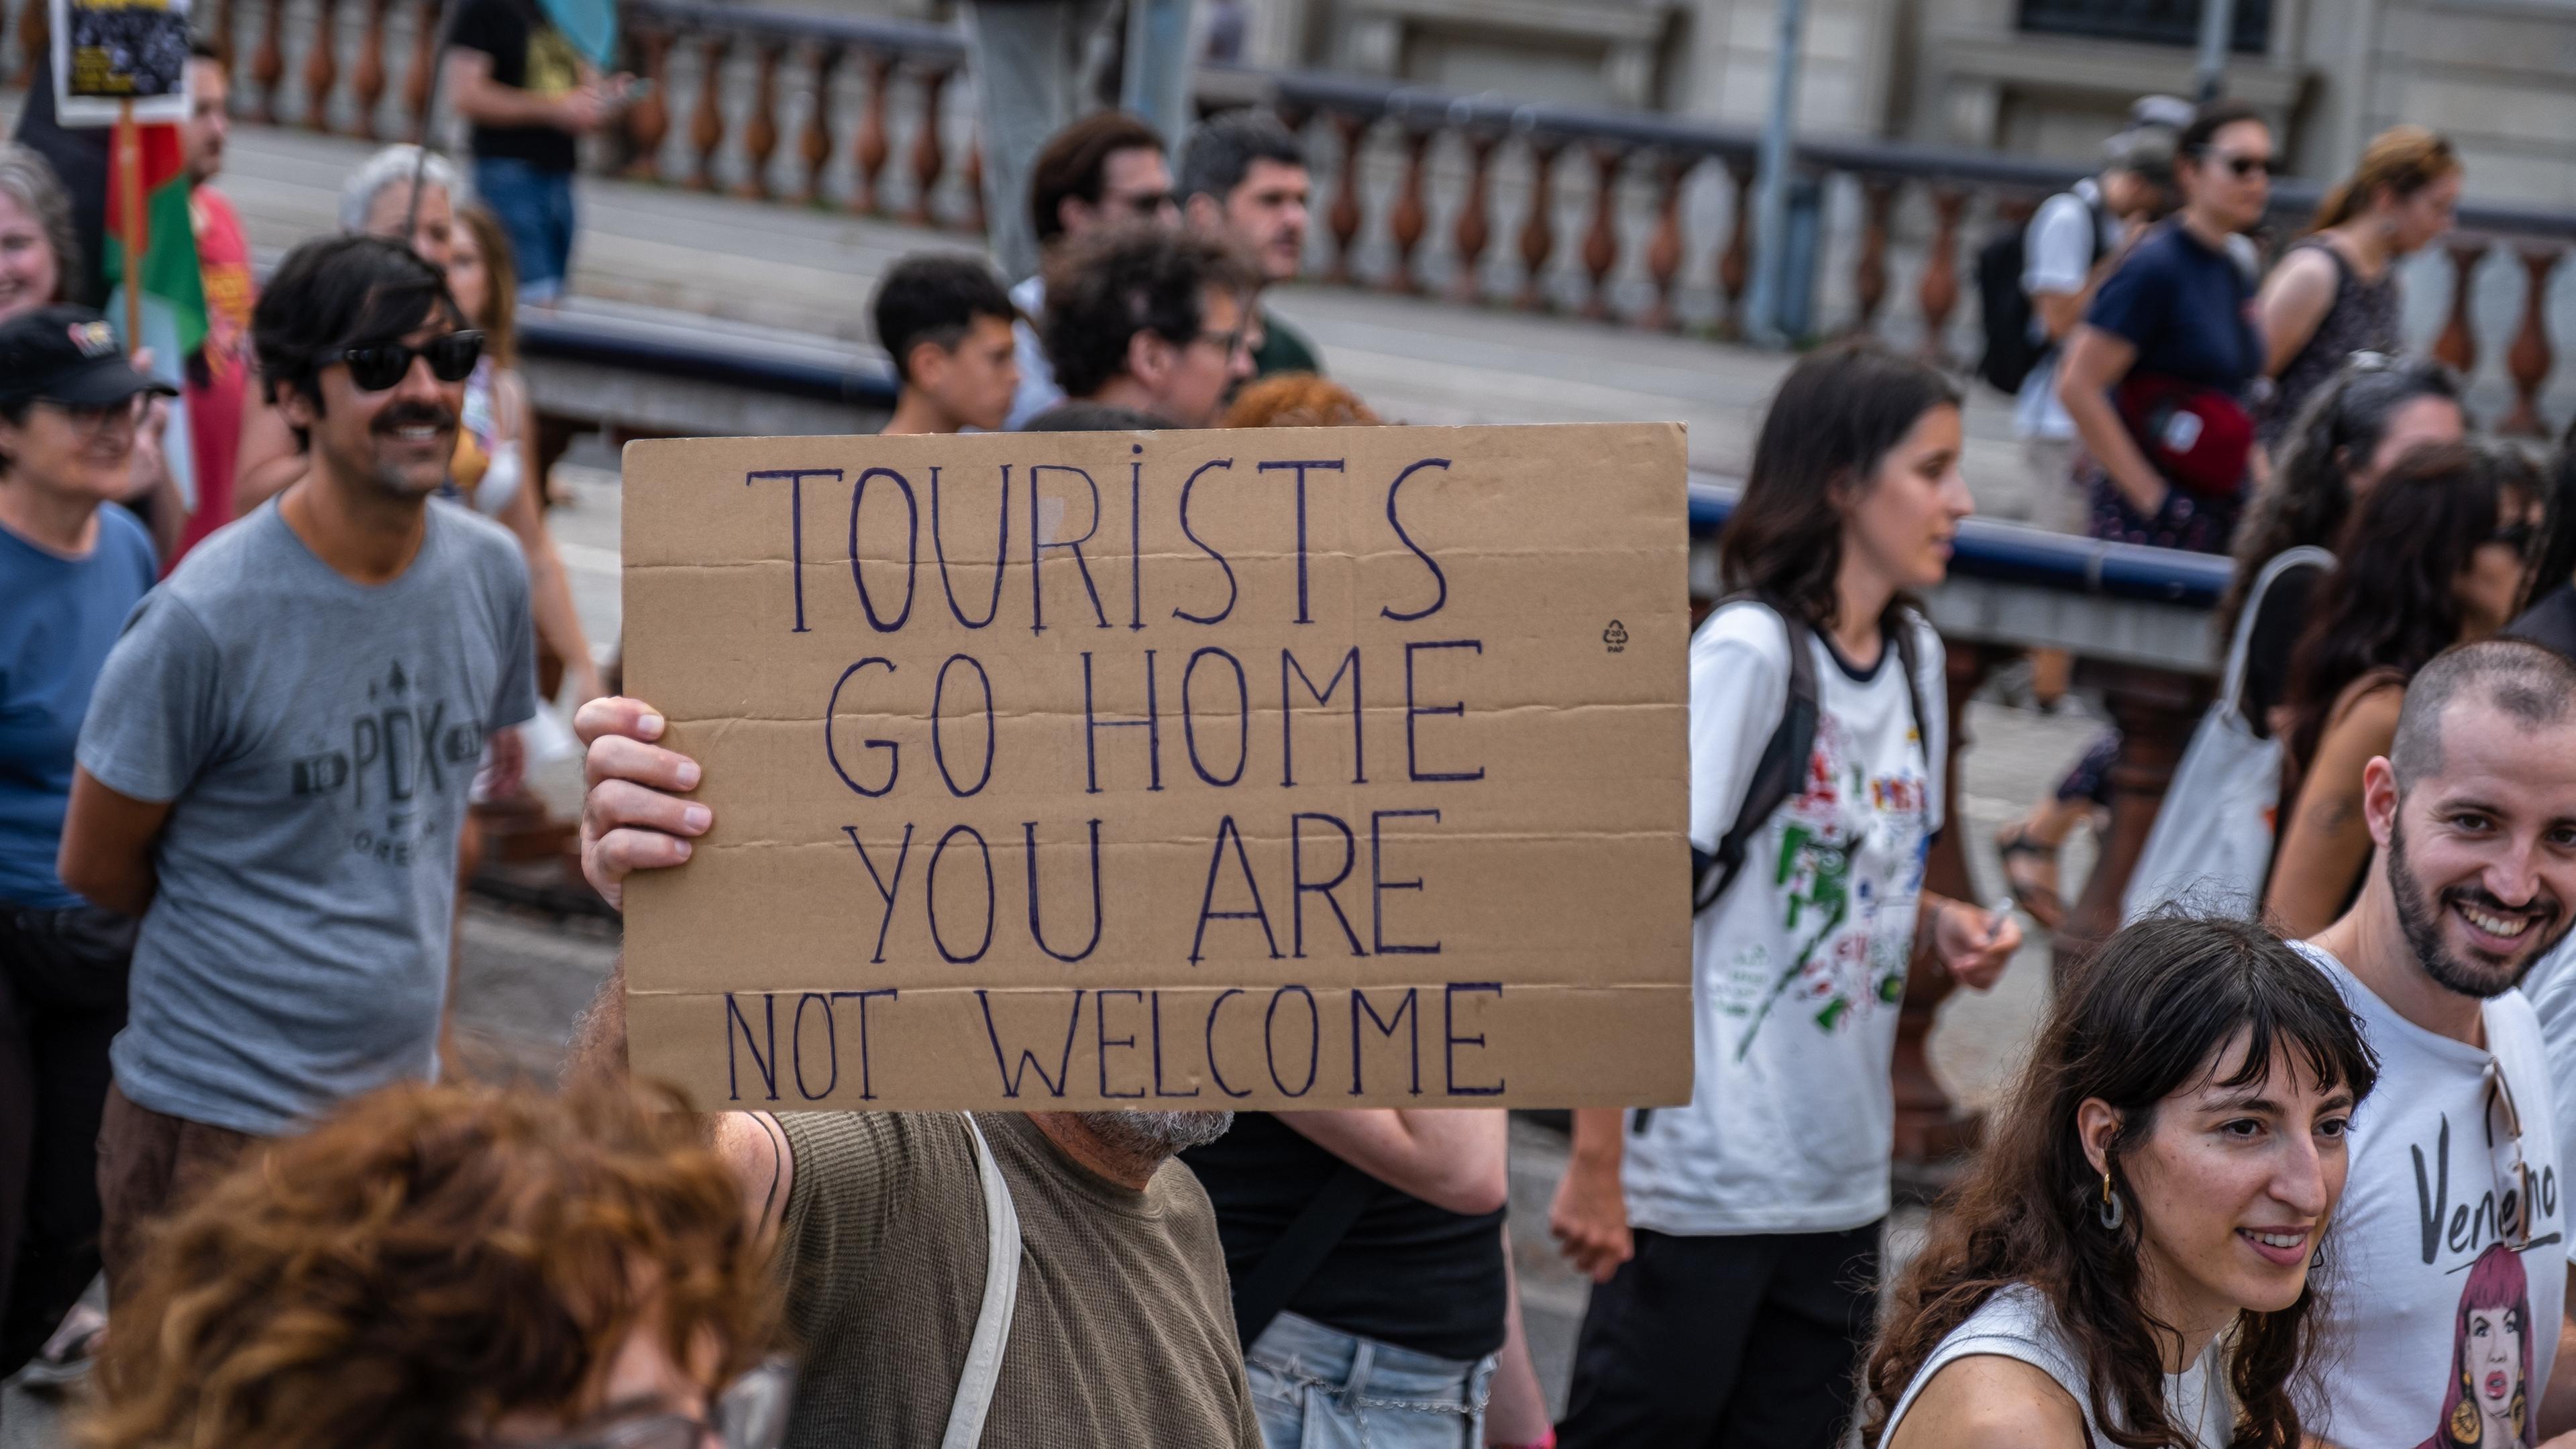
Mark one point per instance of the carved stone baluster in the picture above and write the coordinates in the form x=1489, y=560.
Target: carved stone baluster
x=1601, y=239
x=1939, y=290
x=322, y=65
x=1538, y=229
x=367, y=82
x=1410, y=217
x=268, y=63
x=2155, y=711
x=35, y=32
x=760, y=129
x=971, y=176
x=1869, y=279
x=2458, y=345
x=2531, y=358
x=707, y=126
x=221, y=36
x=419, y=75
x=1929, y=1126
x=1735, y=264
x=648, y=121
x=929, y=154
x=814, y=146
x=1344, y=218
x=1665, y=250
x=1474, y=230
x=870, y=149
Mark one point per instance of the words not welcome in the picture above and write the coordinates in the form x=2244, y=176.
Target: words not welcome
x=1263, y=768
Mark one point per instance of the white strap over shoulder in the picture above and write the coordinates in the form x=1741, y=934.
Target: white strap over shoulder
x=1001, y=1300
x=2241, y=647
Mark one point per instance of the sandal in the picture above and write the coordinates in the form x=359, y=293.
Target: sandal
x=2041, y=903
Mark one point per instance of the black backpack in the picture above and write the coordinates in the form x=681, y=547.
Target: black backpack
x=1783, y=765
x=2011, y=352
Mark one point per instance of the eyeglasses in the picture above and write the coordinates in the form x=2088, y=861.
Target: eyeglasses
x=380, y=366
x=2515, y=536
x=1237, y=341
x=1145, y=205
x=751, y=1413
x=2512, y=1173
x=89, y=419
x=2242, y=167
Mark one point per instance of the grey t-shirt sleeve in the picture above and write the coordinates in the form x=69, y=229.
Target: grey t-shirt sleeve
x=156, y=716
x=515, y=701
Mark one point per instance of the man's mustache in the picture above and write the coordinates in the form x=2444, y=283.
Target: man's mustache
x=413, y=415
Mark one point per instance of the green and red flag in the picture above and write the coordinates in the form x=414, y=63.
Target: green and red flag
x=165, y=262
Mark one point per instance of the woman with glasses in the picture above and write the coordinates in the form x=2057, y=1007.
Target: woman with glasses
x=2335, y=292
x=2137, y=1249
x=71, y=570
x=442, y=1265
x=2433, y=557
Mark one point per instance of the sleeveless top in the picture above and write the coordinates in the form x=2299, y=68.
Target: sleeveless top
x=2017, y=1323
x=2362, y=318
x=486, y=471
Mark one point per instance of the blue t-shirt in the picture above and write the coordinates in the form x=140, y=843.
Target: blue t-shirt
x=62, y=617
x=2186, y=307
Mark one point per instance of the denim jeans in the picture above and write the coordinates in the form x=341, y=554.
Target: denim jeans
x=535, y=208
x=1319, y=1388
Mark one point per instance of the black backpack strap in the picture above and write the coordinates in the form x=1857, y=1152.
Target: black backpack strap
x=1909, y=655
x=1776, y=775
x=1300, y=1249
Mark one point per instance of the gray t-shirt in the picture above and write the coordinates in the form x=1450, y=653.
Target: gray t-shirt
x=316, y=739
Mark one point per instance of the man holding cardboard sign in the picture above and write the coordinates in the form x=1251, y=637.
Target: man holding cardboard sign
x=965, y=839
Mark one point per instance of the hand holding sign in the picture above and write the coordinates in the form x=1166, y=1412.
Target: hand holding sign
x=1285, y=768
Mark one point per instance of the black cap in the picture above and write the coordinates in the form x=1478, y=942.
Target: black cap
x=67, y=355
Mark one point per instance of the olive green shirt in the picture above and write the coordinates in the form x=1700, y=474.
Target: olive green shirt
x=1283, y=349
x=1124, y=1334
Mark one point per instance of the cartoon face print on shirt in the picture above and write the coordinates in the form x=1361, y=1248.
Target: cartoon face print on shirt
x=1846, y=961
x=2486, y=1404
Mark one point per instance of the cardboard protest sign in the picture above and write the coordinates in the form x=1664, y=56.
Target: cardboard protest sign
x=1267, y=768
x=110, y=52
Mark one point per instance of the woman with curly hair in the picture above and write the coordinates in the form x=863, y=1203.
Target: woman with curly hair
x=2434, y=557
x=436, y=1267
x=2133, y=1259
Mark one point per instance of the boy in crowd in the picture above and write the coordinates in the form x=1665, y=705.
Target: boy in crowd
x=277, y=758
x=947, y=324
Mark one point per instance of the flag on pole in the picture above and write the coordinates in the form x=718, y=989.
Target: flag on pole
x=167, y=267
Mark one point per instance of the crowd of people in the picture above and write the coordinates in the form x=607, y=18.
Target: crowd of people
x=2284, y=1174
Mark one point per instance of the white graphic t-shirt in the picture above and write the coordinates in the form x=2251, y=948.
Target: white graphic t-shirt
x=1798, y=969
x=2447, y=1276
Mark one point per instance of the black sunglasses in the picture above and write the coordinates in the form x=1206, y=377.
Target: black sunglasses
x=2243, y=166
x=379, y=366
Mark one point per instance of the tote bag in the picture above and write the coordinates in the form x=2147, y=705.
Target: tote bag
x=2211, y=845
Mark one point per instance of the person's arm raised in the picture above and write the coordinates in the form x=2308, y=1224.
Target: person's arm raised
x=632, y=816
x=1451, y=1158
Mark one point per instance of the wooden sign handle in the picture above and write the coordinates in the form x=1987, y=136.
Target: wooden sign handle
x=129, y=181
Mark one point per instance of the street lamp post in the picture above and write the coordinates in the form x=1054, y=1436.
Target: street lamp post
x=1771, y=205
x=2217, y=33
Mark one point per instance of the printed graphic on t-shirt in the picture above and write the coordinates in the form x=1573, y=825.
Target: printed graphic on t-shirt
x=390, y=764
x=2487, y=1402
x=1844, y=967
x=554, y=67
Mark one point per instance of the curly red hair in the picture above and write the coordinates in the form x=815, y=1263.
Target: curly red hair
x=1297, y=400
x=430, y=1259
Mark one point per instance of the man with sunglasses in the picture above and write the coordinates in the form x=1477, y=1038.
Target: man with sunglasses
x=1156, y=320
x=1105, y=170
x=2474, y=815
x=277, y=760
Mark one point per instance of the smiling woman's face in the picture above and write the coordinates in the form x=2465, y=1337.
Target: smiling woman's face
x=30, y=273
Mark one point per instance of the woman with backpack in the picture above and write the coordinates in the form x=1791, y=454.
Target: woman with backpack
x=2335, y=293
x=1735, y=1240
x=2434, y=557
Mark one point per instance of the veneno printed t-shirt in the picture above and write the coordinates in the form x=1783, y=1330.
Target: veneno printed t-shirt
x=316, y=739
x=1797, y=970
x=529, y=54
x=2448, y=1277
x=1123, y=1334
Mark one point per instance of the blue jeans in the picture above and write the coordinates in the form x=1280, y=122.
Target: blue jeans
x=1319, y=1388
x=535, y=208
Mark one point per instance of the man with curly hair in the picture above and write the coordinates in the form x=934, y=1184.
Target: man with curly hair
x=1151, y=319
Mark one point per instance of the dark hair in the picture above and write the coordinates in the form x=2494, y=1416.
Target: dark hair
x=935, y=297
x=2208, y=121
x=1134, y=277
x=2152, y=1012
x=1832, y=422
x=2532, y=684
x=2553, y=555
x=1092, y=417
x=2338, y=429
x=1221, y=152
x=1075, y=162
x=332, y=292
x=200, y=48
x=2391, y=600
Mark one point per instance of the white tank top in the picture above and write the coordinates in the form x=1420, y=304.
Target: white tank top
x=2017, y=1323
